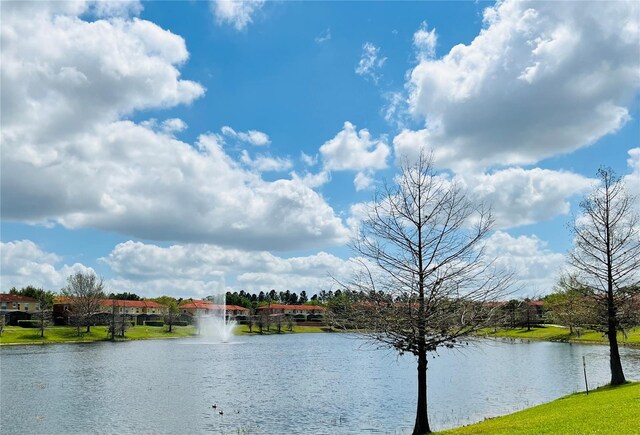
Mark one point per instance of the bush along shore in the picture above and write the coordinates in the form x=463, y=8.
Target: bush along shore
x=607, y=410
x=563, y=334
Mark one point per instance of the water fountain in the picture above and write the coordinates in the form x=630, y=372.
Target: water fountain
x=215, y=326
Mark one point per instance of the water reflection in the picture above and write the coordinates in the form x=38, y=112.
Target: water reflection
x=317, y=383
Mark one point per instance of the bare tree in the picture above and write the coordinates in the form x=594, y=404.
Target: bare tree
x=85, y=292
x=44, y=313
x=279, y=321
x=606, y=257
x=114, y=317
x=568, y=306
x=172, y=315
x=425, y=281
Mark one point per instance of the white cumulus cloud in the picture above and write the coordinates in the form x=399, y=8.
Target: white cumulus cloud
x=238, y=13
x=252, y=137
x=541, y=79
x=519, y=197
x=354, y=150
x=536, y=268
x=23, y=263
x=69, y=157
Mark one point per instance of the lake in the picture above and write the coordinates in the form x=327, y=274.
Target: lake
x=280, y=384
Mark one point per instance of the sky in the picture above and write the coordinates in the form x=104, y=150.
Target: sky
x=189, y=148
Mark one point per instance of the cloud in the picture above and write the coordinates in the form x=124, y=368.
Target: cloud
x=395, y=111
x=252, y=137
x=116, y=8
x=519, y=197
x=541, y=79
x=324, y=36
x=424, y=41
x=362, y=180
x=69, y=158
x=632, y=180
x=312, y=180
x=370, y=62
x=62, y=75
x=308, y=160
x=264, y=163
x=185, y=269
x=25, y=263
x=238, y=13
x=354, y=150
x=536, y=268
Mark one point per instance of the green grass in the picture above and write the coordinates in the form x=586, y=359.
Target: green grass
x=559, y=333
x=608, y=410
x=62, y=334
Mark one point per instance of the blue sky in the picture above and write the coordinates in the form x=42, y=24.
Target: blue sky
x=186, y=148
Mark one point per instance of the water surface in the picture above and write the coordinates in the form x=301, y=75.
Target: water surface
x=313, y=383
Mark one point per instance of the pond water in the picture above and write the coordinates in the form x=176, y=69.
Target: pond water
x=311, y=383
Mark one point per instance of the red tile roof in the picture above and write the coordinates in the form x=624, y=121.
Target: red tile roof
x=134, y=304
x=292, y=307
x=8, y=297
x=207, y=305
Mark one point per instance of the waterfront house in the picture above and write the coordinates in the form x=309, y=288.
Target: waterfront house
x=196, y=308
x=299, y=312
x=141, y=310
x=17, y=307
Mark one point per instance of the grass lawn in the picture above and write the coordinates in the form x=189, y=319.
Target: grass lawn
x=607, y=410
x=559, y=333
x=61, y=334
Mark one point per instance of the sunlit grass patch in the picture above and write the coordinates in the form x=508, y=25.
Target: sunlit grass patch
x=607, y=410
x=559, y=333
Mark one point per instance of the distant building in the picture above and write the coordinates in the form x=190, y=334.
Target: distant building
x=16, y=307
x=141, y=310
x=298, y=312
x=196, y=308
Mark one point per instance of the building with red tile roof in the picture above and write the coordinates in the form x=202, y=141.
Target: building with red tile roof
x=196, y=308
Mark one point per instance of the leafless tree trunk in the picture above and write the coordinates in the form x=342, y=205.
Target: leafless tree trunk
x=279, y=319
x=114, y=311
x=251, y=320
x=606, y=256
x=424, y=281
x=43, y=315
x=172, y=315
x=85, y=291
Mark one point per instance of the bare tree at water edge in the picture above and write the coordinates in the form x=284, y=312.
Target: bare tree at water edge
x=85, y=292
x=606, y=257
x=425, y=281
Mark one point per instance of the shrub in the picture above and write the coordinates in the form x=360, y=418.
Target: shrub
x=180, y=323
x=154, y=323
x=29, y=323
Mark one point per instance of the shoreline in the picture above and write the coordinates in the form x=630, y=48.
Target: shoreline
x=574, y=413
x=239, y=333
x=558, y=334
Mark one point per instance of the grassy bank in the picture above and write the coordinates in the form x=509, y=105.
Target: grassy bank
x=64, y=334
x=608, y=410
x=68, y=334
x=558, y=333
